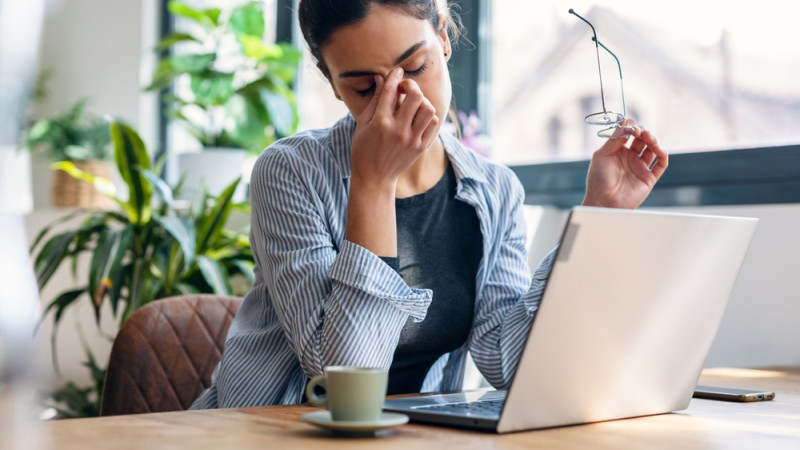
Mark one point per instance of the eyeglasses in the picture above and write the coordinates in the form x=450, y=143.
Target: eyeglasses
x=607, y=117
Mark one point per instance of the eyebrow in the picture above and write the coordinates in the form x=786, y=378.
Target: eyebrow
x=363, y=73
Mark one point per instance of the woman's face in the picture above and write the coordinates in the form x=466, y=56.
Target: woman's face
x=387, y=38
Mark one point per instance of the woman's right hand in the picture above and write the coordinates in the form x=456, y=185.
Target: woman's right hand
x=395, y=128
x=397, y=125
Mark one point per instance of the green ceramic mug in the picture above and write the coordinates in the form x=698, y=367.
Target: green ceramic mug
x=353, y=394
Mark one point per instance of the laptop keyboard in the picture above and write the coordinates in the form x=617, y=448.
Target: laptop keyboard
x=483, y=407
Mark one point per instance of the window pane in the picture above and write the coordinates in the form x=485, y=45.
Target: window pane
x=701, y=75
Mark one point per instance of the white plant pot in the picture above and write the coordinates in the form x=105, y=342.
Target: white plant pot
x=216, y=168
x=16, y=195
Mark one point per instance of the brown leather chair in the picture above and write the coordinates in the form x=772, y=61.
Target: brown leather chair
x=163, y=355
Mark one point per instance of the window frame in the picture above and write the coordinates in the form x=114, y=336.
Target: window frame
x=751, y=176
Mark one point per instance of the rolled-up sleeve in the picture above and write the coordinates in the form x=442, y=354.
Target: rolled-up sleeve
x=509, y=298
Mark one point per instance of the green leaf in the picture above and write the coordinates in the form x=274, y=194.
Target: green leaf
x=248, y=20
x=186, y=288
x=75, y=134
x=50, y=226
x=164, y=74
x=178, y=101
x=136, y=289
x=246, y=269
x=77, y=400
x=158, y=167
x=103, y=185
x=192, y=63
x=213, y=224
x=281, y=112
x=115, y=271
x=215, y=275
x=174, y=268
x=117, y=283
x=197, y=205
x=98, y=374
x=61, y=302
x=190, y=127
x=77, y=152
x=182, y=229
x=254, y=47
x=178, y=189
x=51, y=256
x=285, y=64
x=98, y=286
x=248, y=123
x=131, y=156
x=213, y=15
x=260, y=106
x=152, y=287
x=184, y=10
x=111, y=248
x=174, y=38
x=162, y=188
x=211, y=88
x=39, y=131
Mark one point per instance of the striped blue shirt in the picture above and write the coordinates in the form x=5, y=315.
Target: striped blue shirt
x=321, y=300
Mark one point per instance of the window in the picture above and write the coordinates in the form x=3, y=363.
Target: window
x=709, y=75
x=715, y=80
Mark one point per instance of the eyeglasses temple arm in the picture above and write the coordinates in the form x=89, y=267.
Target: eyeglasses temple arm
x=619, y=66
x=597, y=49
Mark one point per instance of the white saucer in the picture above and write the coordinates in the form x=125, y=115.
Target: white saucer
x=323, y=419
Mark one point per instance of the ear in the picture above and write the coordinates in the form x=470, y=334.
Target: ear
x=446, y=47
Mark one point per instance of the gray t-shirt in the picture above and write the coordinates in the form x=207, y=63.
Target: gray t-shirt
x=439, y=246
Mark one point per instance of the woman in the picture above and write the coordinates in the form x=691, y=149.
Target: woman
x=382, y=242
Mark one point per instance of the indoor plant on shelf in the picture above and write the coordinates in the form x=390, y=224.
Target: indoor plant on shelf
x=81, y=138
x=232, y=91
x=146, y=249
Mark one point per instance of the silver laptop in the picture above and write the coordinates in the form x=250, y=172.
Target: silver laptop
x=624, y=326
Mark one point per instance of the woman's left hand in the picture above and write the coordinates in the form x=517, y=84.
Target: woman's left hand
x=622, y=176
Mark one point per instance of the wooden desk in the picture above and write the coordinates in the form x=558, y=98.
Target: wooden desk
x=706, y=424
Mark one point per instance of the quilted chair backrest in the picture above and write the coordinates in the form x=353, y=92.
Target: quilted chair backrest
x=163, y=355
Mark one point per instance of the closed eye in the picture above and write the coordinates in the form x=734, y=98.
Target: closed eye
x=366, y=92
x=414, y=73
x=418, y=72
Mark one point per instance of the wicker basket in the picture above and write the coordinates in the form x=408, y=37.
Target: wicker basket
x=69, y=192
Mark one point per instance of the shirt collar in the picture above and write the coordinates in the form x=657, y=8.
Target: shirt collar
x=466, y=163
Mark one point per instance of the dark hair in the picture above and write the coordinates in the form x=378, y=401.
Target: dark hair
x=319, y=19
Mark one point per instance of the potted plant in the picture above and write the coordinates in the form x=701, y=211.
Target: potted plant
x=81, y=138
x=147, y=249
x=232, y=91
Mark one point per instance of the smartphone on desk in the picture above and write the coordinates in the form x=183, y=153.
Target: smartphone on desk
x=732, y=395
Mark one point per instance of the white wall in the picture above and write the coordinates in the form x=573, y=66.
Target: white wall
x=93, y=48
x=98, y=50
x=760, y=325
